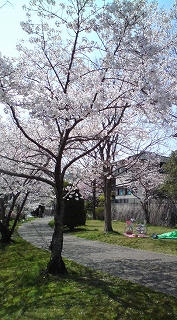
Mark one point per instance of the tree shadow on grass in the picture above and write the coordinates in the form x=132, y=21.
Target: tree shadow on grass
x=4, y=245
x=87, y=293
x=112, y=233
x=67, y=230
x=76, y=230
x=138, y=299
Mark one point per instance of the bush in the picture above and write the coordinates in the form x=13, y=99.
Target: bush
x=74, y=212
x=100, y=213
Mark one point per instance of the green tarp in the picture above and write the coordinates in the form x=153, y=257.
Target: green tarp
x=168, y=235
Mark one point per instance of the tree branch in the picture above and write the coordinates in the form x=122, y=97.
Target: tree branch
x=27, y=176
x=27, y=136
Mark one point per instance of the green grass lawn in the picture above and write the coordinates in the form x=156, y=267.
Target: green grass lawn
x=93, y=230
x=28, y=293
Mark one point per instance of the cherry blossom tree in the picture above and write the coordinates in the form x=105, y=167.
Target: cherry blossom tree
x=127, y=138
x=16, y=195
x=14, y=198
x=88, y=180
x=86, y=68
x=17, y=192
x=144, y=178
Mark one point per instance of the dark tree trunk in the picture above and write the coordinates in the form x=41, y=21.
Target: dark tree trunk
x=5, y=233
x=3, y=205
x=107, y=196
x=15, y=196
x=19, y=212
x=4, y=225
x=56, y=265
x=145, y=206
x=94, y=199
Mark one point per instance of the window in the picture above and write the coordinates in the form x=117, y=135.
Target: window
x=120, y=170
x=121, y=192
x=128, y=192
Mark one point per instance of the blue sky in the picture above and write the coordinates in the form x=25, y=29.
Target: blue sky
x=12, y=14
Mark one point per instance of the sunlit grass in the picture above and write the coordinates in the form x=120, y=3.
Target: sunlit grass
x=94, y=230
x=26, y=292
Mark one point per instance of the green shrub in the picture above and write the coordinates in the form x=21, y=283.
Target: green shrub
x=89, y=208
x=74, y=212
x=101, y=200
x=99, y=213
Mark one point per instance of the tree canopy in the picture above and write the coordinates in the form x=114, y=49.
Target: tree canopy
x=86, y=71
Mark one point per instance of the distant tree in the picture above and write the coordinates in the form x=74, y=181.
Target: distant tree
x=107, y=150
x=144, y=178
x=5, y=229
x=16, y=193
x=168, y=190
x=169, y=187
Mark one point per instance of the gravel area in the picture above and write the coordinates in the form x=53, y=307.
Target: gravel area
x=154, y=270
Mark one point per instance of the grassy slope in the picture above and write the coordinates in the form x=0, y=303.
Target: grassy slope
x=28, y=293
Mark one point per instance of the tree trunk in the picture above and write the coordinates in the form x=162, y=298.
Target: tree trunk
x=3, y=205
x=14, y=196
x=56, y=265
x=94, y=199
x=107, y=196
x=145, y=206
x=5, y=233
x=19, y=212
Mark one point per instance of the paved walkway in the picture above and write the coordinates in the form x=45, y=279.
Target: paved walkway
x=157, y=271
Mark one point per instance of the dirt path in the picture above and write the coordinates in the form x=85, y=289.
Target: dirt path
x=157, y=271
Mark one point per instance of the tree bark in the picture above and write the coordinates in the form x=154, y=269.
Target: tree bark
x=14, y=196
x=94, y=198
x=19, y=212
x=107, y=196
x=3, y=205
x=56, y=265
x=145, y=206
x=5, y=233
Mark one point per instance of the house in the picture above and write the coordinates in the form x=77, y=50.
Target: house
x=135, y=180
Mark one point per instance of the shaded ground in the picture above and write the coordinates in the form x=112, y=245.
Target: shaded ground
x=157, y=271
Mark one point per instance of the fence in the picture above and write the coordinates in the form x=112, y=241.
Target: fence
x=161, y=212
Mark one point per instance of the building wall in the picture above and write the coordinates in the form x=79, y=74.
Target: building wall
x=126, y=205
x=124, y=211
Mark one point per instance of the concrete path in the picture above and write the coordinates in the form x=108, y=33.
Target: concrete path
x=157, y=271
